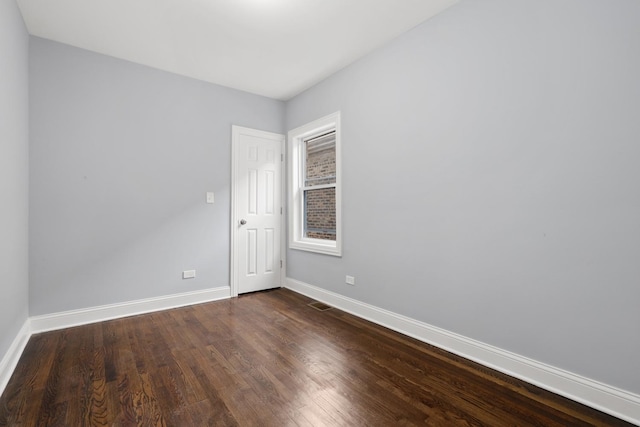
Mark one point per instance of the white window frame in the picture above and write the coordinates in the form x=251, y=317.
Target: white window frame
x=296, y=138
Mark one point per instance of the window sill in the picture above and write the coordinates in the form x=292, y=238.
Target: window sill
x=317, y=246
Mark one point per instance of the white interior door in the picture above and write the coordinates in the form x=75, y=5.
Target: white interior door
x=257, y=210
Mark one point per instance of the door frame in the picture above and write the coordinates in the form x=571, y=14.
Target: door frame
x=235, y=134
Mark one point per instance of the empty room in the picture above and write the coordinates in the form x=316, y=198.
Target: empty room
x=320, y=212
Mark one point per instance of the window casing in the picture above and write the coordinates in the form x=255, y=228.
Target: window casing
x=314, y=190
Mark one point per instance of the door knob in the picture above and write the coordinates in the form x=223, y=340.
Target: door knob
x=243, y=221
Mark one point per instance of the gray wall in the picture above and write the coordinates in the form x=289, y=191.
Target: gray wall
x=121, y=158
x=14, y=173
x=492, y=180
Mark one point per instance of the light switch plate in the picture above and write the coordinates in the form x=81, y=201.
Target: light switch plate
x=210, y=197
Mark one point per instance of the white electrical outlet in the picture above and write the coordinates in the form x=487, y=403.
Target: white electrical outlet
x=350, y=280
x=188, y=274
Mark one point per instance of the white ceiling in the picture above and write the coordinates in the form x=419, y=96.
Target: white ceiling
x=275, y=48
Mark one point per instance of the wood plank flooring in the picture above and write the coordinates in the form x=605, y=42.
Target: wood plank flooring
x=264, y=359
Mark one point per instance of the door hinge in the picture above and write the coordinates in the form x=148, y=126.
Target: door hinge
x=282, y=157
x=281, y=211
x=280, y=263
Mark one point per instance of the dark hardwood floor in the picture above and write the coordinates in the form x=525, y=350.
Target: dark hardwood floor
x=264, y=359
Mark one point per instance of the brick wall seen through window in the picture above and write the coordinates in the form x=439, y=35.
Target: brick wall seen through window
x=320, y=203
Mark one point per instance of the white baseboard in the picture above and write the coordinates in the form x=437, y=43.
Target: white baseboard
x=67, y=319
x=605, y=398
x=10, y=360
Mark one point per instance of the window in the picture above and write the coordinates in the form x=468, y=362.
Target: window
x=314, y=208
